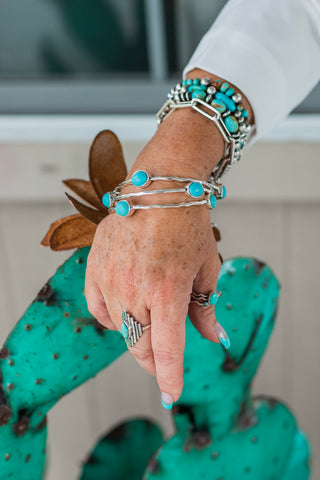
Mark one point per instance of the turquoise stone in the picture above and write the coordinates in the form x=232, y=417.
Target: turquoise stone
x=224, y=192
x=196, y=81
x=218, y=105
x=244, y=113
x=122, y=208
x=185, y=82
x=189, y=82
x=107, y=200
x=228, y=102
x=192, y=88
x=212, y=200
x=140, y=178
x=231, y=123
x=124, y=330
x=230, y=92
x=214, y=297
x=240, y=108
x=197, y=93
x=195, y=189
x=224, y=87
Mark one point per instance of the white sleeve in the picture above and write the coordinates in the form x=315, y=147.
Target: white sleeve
x=270, y=49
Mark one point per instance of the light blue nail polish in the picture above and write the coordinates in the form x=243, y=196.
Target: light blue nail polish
x=166, y=401
x=167, y=407
x=222, y=335
x=225, y=342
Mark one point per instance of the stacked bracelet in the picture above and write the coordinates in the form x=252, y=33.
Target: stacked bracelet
x=220, y=104
x=202, y=193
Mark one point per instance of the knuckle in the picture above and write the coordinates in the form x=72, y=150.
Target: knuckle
x=143, y=355
x=166, y=357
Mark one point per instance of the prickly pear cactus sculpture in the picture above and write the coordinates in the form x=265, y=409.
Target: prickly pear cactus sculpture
x=222, y=432
x=55, y=347
x=133, y=443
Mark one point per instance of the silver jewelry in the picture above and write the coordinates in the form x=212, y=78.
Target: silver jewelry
x=148, y=180
x=131, y=330
x=227, y=113
x=124, y=209
x=204, y=300
x=196, y=189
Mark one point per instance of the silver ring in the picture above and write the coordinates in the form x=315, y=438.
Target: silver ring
x=205, y=300
x=131, y=330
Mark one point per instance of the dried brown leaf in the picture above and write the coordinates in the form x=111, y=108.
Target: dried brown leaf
x=106, y=163
x=90, y=213
x=77, y=232
x=84, y=190
x=216, y=233
x=45, y=242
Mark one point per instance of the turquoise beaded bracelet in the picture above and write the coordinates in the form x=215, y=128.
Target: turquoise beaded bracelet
x=225, y=110
x=196, y=189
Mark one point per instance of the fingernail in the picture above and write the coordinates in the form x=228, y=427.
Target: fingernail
x=166, y=400
x=222, y=335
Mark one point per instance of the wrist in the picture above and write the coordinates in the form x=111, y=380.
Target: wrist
x=185, y=144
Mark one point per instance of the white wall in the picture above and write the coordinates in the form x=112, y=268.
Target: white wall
x=272, y=212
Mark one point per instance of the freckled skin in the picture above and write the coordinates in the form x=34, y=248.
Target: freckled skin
x=150, y=262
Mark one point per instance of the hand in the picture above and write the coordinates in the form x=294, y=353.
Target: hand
x=148, y=264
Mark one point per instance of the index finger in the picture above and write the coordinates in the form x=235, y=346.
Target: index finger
x=168, y=317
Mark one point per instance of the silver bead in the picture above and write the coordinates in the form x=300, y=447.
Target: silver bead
x=244, y=128
x=205, y=81
x=211, y=90
x=237, y=97
x=176, y=98
x=183, y=89
x=237, y=114
x=209, y=98
x=178, y=86
x=172, y=91
x=226, y=113
x=170, y=95
x=241, y=120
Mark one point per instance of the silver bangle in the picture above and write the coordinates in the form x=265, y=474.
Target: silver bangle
x=124, y=209
x=117, y=202
x=148, y=179
x=228, y=114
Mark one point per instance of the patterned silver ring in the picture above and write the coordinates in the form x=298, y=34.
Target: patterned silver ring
x=131, y=330
x=205, y=300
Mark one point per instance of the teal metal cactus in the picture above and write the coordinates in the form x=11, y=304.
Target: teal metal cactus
x=54, y=348
x=132, y=442
x=222, y=432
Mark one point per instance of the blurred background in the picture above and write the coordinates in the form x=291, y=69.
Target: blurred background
x=69, y=68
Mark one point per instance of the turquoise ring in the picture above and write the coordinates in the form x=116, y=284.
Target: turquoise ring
x=131, y=330
x=205, y=300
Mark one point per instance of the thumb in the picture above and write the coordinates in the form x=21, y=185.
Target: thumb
x=203, y=317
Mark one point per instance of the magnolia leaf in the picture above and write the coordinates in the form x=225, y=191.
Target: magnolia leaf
x=85, y=191
x=77, y=232
x=106, y=163
x=90, y=213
